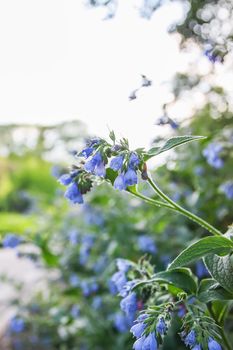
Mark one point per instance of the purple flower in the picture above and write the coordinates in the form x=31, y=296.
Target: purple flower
x=119, y=183
x=190, y=339
x=150, y=342
x=116, y=163
x=73, y=194
x=133, y=160
x=11, y=241
x=213, y=345
x=130, y=177
x=146, y=244
x=161, y=326
x=65, y=179
x=129, y=305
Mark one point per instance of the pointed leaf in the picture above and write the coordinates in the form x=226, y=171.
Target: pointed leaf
x=201, y=248
x=171, y=143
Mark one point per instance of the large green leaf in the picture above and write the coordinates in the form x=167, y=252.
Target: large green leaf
x=180, y=278
x=221, y=269
x=201, y=248
x=209, y=290
x=171, y=143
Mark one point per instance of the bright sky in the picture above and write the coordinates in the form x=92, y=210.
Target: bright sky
x=61, y=61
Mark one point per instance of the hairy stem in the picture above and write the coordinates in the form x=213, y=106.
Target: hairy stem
x=223, y=335
x=181, y=210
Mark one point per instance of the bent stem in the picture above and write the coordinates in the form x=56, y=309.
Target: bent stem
x=183, y=211
x=150, y=200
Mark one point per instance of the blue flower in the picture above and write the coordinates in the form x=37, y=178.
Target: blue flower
x=129, y=305
x=150, y=342
x=211, y=153
x=138, y=329
x=227, y=188
x=133, y=161
x=97, y=302
x=161, y=326
x=75, y=311
x=121, y=322
x=119, y=183
x=100, y=170
x=190, y=339
x=74, y=280
x=65, y=179
x=126, y=289
x=197, y=347
x=146, y=244
x=119, y=280
x=94, y=162
x=130, y=177
x=87, y=152
x=138, y=344
x=73, y=237
x=84, y=254
x=201, y=270
x=11, y=241
x=85, y=288
x=73, y=194
x=17, y=325
x=116, y=163
x=123, y=265
x=213, y=345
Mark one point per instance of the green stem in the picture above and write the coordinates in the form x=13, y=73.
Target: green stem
x=181, y=210
x=151, y=201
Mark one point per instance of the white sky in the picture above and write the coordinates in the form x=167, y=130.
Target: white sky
x=60, y=61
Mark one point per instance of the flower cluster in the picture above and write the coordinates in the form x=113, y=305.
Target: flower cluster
x=190, y=340
x=148, y=331
x=211, y=153
x=123, y=162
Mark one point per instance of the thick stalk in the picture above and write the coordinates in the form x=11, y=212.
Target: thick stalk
x=181, y=210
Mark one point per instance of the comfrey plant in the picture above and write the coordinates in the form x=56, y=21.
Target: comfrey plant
x=151, y=300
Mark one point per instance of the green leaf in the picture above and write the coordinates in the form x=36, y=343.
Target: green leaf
x=111, y=175
x=171, y=143
x=180, y=278
x=220, y=309
x=221, y=269
x=201, y=248
x=209, y=290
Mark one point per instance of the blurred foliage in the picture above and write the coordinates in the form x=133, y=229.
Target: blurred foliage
x=68, y=314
